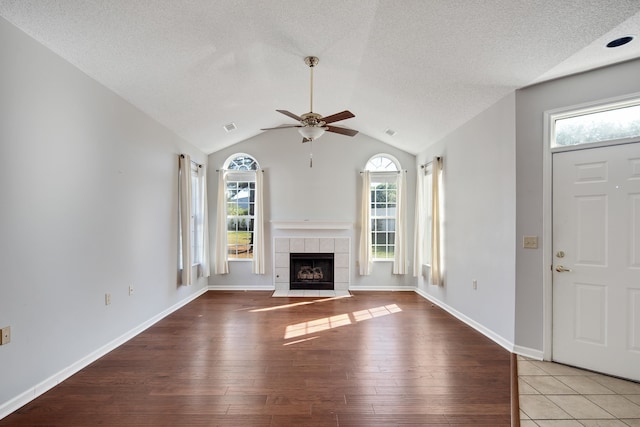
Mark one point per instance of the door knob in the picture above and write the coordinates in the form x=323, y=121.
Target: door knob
x=561, y=269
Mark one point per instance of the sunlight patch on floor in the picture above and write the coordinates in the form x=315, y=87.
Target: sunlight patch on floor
x=326, y=323
x=295, y=304
x=376, y=312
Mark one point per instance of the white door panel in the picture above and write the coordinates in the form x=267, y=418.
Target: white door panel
x=596, y=245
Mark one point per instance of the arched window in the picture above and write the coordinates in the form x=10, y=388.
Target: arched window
x=383, y=163
x=241, y=162
x=241, y=199
x=384, y=170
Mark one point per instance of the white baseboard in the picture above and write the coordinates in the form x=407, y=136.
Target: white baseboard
x=44, y=386
x=498, y=339
x=243, y=288
x=382, y=288
x=529, y=352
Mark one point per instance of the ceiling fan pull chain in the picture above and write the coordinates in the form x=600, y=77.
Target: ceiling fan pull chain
x=311, y=154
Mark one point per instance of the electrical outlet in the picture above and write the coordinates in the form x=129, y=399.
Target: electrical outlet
x=107, y=299
x=475, y=284
x=5, y=335
x=530, y=242
x=130, y=290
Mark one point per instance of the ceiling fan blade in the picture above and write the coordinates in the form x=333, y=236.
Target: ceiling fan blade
x=346, y=114
x=289, y=114
x=342, y=131
x=283, y=127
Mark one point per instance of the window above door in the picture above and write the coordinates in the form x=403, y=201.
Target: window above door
x=612, y=122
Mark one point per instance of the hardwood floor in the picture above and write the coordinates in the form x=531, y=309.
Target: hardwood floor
x=246, y=359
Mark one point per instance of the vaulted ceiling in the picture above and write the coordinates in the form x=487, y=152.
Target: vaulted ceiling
x=418, y=67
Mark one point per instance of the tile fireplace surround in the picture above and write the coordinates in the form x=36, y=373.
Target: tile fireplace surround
x=312, y=237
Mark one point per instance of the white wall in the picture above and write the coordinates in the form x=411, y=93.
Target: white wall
x=479, y=221
x=88, y=194
x=531, y=103
x=330, y=191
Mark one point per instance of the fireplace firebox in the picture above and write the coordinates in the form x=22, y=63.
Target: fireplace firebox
x=311, y=271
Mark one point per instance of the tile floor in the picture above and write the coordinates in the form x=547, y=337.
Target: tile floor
x=556, y=395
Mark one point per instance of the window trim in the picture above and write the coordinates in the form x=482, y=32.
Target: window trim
x=197, y=201
x=197, y=211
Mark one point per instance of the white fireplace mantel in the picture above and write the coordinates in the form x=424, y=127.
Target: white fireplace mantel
x=311, y=225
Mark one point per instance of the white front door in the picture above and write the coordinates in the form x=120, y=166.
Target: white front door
x=596, y=259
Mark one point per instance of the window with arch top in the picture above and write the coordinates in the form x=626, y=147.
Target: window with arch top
x=240, y=196
x=384, y=170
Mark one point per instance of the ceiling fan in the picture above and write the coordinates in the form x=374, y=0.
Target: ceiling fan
x=312, y=125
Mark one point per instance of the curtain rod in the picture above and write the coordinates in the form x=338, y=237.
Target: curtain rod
x=404, y=170
x=428, y=163
x=195, y=163
x=236, y=170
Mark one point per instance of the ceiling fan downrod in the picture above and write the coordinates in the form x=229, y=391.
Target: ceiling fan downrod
x=311, y=62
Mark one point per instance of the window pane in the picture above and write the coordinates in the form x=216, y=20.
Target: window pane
x=599, y=126
x=390, y=251
x=240, y=211
x=379, y=238
x=383, y=211
x=391, y=224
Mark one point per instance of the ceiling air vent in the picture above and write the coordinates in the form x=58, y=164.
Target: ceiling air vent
x=390, y=132
x=230, y=127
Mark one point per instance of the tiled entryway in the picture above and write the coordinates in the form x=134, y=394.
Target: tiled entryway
x=556, y=395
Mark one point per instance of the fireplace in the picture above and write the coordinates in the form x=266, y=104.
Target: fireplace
x=311, y=238
x=311, y=271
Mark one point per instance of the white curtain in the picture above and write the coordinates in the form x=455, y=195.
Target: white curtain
x=365, y=256
x=436, y=241
x=205, y=268
x=184, y=184
x=400, y=254
x=258, y=266
x=221, y=263
x=419, y=228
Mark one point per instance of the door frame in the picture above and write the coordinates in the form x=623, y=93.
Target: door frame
x=547, y=203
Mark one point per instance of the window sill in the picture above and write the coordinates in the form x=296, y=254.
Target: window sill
x=239, y=259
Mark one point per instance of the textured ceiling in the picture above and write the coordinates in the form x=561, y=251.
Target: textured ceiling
x=419, y=67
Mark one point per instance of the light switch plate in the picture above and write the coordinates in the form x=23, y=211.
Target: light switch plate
x=530, y=242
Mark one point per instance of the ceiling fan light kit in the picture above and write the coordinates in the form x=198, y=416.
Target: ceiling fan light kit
x=311, y=132
x=313, y=125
